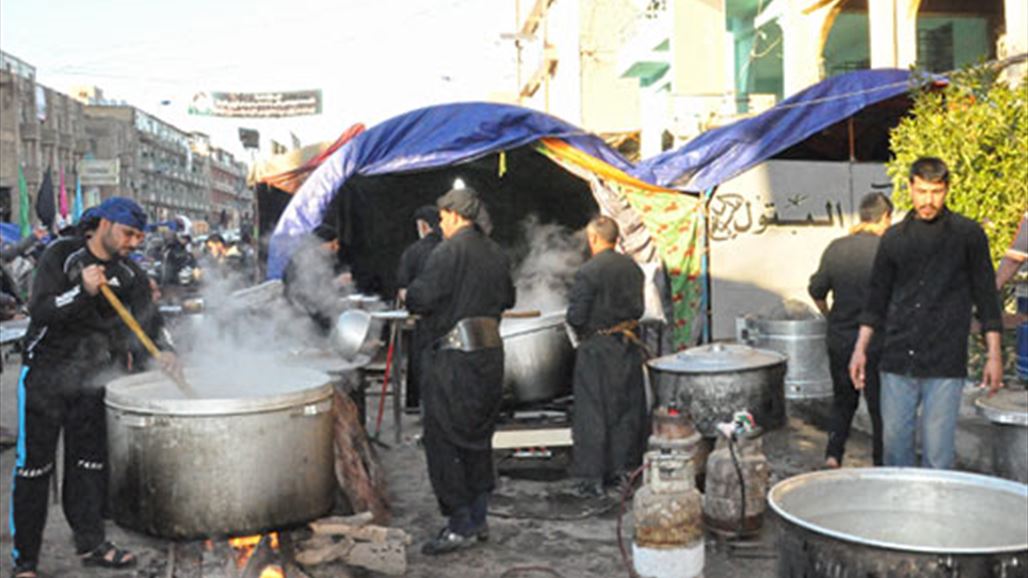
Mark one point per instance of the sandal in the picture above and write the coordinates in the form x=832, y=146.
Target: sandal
x=107, y=555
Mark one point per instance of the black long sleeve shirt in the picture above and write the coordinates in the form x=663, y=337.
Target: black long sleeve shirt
x=467, y=275
x=414, y=258
x=77, y=332
x=845, y=272
x=607, y=290
x=927, y=276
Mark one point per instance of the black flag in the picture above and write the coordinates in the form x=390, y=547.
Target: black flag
x=46, y=209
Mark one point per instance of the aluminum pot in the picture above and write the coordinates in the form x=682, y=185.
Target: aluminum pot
x=1008, y=412
x=245, y=457
x=901, y=522
x=538, y=359
x=804, y=342
x=357, y=333
x=714, y=381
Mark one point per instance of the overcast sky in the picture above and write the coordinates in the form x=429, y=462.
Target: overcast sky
x=372, y=59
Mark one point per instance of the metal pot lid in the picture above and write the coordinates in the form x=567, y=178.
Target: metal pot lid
x=718, y=358
x=239, y=391
x=1008, y=406
x=514, y=326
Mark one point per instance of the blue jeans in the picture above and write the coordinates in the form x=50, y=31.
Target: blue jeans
x=939, y=398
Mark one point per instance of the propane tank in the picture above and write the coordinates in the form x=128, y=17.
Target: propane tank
x=668, y=512
x=673, y=431
x=738, y=450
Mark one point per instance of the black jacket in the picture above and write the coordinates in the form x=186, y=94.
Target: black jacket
x=72, y=330
x=467, y=275
x=845, y=271
x=607, y=290
x=925, y=280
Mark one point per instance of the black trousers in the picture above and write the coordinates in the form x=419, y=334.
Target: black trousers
x=609, y=421
x=461, y=396
x=49, y=402
x=846, y=399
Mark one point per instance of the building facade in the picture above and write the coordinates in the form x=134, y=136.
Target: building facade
x=229, y=194
x=40, y=129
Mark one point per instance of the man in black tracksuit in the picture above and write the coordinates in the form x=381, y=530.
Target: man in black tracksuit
x=75, y=337
x=412, y=263
x=464, y=288
x=609, y=421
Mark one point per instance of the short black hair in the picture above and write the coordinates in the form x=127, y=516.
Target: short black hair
x=605, y=227
x=326, y=233
x=931, y=169
x=873, y=206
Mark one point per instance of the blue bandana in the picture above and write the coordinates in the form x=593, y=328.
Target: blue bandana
x=121, y=210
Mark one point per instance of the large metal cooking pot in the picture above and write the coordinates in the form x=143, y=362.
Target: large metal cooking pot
x=538, y=359
x=714, y=381
x=803, y=341
x=1008, y=411
x=901, y=522
x=247, y=456
x=357, y=333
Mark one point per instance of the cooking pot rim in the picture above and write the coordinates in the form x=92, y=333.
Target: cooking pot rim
x=118, y=396
x=893, y=474
x=991, y=409
x=531, y=324
x=667, y=362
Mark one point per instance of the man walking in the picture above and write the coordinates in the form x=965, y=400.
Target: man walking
x=462, y=291
x=845, y=272
x=608, y=425
x=929, y=271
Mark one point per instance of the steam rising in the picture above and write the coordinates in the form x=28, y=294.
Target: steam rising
x=544, y=275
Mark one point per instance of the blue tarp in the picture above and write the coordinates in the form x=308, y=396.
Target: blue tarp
x=10, y=232
x=426, y=138
x=720, y=154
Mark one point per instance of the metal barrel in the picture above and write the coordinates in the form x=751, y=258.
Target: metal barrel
x=804, y=342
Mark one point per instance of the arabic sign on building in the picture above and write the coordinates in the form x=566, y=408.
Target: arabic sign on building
x=99, y=172
x=257, y=104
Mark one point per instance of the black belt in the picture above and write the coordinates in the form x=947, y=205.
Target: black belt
x=472, y=334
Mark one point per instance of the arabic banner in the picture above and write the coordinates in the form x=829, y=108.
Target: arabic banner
x=257, y=104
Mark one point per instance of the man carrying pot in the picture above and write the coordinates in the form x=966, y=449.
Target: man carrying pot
x=845, y=272
x=929, y=271
x=74, y=339
x=465, y=286
x=609, y=421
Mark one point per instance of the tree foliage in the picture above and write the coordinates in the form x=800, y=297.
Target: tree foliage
x=979, y=126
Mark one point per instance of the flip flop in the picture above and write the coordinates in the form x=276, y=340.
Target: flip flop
x=107, y=555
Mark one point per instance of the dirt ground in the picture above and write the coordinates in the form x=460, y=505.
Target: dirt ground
x=527, y=530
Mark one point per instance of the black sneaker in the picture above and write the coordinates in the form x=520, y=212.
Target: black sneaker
x=482, y=532
x=446, y=542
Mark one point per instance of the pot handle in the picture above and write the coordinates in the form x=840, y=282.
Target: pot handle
x=312, y=409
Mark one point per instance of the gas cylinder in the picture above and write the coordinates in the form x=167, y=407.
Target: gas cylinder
x=725, y=511
x=668, y=512
x=673, y=431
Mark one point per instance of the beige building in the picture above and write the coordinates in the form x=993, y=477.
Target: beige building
x=701, y=63
x=567, y=64
x=40, y=128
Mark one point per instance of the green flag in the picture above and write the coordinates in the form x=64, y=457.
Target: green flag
x=24, y=213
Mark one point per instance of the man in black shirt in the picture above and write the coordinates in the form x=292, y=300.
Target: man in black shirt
x=604, y=306
x=465, y=286
x=929, y=271
x=74, y=337
x=845, y=271
x=412, y=263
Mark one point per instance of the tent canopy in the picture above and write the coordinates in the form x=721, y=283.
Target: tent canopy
x=430, y=138
x=720, y=154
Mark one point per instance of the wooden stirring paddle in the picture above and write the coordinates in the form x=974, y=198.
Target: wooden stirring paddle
x=126, y=316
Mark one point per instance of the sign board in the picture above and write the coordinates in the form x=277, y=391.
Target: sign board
x=769, y=226
x=250, y=138
x=257, y=104
x=99, y=172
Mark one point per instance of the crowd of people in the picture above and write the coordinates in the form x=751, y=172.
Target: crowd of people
x=903, y=297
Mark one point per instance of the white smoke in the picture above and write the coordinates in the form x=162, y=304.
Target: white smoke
x=544, y=275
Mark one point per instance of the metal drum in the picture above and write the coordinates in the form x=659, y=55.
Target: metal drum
x=804, y=342
x=1008, y=412
x=902, y=523
x=252, y=453
x=714, y=381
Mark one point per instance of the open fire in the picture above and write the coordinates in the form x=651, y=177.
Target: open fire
x=245, y=548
